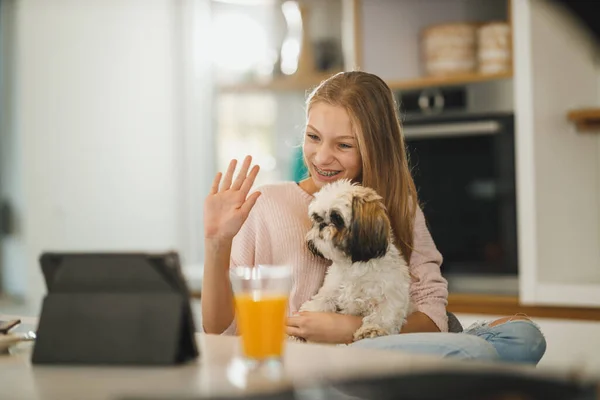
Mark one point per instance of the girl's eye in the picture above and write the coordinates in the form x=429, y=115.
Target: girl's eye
x=345, y=146
x=312, y=136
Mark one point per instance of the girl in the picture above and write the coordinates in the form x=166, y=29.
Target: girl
x=352, y=131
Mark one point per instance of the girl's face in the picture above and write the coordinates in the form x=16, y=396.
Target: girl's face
x=330, y=146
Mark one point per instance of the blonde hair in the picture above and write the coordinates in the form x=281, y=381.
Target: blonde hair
x=370, y=104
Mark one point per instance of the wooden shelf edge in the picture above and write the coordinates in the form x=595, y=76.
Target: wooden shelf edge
x=309, y=81
x=509, y=305
x=585, y=119
x=450, y=80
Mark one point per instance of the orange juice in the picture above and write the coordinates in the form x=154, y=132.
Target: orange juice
x=261, y=323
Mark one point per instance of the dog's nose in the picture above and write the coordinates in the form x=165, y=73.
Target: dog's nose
x=322, y=225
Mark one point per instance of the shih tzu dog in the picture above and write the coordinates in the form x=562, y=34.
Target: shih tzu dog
x=368, y=276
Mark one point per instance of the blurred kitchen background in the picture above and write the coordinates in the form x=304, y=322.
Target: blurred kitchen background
x=116, y=115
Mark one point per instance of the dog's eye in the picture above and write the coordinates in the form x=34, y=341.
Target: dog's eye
x=336, y=219
x=317, y=218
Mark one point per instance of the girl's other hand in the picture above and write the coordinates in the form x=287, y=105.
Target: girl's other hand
x=323, y=327
x=227, y=206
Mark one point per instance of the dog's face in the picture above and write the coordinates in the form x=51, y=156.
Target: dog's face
x=349, y=223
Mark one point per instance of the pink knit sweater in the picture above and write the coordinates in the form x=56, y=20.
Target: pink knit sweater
x=275, y=231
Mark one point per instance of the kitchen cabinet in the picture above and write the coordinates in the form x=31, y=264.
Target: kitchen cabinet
x=392, y=38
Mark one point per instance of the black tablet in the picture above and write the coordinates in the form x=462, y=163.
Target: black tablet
x=114, y=308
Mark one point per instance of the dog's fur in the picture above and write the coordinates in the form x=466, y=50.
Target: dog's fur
x=368, y=276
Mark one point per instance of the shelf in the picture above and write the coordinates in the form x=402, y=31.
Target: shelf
x=310, y=81
x=459, y=79
x=509, y=305
x=586, y=120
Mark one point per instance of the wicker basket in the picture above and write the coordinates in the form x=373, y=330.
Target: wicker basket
x=494, y=47
x=450, y=48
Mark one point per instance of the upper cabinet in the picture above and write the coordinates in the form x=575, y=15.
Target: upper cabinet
x=413, y=44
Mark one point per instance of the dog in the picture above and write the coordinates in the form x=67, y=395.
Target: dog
x=368, y=276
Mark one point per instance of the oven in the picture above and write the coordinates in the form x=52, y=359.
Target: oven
x=460, y=143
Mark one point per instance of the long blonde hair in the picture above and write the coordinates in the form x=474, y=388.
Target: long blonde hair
x=373, y=113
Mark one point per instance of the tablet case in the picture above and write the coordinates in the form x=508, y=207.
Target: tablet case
x=114, y=309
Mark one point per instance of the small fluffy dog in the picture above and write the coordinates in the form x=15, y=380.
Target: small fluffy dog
x=368, y=276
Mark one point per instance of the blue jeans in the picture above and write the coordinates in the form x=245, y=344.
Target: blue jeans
x=519, y=341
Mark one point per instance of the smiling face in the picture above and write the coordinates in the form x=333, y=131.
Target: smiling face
x=380, y=161
x=330, y=145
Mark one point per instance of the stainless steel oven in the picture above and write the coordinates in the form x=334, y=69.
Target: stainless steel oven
x=461, y=146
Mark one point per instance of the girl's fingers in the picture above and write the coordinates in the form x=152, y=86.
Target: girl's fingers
x=242, y=174
x=249, y=203
x=294, y=321
x=215, y=185
x=249, y=181
x=228, y=176
x=293, y=331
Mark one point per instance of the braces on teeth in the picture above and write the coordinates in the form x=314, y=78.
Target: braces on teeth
x=332, y=173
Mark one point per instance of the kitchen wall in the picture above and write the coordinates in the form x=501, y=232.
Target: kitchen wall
x=98, y=140
x=11, y=190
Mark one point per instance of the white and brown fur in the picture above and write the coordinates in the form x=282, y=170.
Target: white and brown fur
x=368, y=276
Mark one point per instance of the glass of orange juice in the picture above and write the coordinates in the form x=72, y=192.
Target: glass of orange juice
x=261, y=301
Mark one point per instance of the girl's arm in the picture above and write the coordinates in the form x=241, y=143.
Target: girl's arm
x=217, y=296
x=419, y=322
x=226, y=209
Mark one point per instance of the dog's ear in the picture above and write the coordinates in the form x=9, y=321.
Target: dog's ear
x=370, y=230
x=313, y=249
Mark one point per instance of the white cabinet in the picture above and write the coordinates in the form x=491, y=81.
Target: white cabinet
x=558, y=168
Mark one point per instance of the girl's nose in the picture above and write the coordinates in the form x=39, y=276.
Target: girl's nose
x=324, y=155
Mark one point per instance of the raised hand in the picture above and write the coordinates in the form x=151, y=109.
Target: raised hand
x=227, y=205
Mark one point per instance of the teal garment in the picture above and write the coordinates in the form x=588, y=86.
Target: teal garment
x=299, y=170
